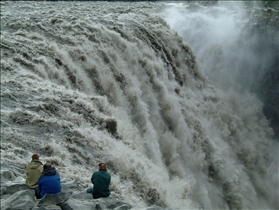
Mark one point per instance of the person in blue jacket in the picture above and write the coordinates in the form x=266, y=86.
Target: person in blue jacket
x=49, y=182
x=101, y=181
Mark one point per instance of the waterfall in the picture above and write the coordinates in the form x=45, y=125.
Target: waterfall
x=85, y=82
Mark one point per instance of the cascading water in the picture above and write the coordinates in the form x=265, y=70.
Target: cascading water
x=85, y=82
x=236, y=44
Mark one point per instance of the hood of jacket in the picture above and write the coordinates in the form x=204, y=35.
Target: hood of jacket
x=34, y=164
x=49, y=171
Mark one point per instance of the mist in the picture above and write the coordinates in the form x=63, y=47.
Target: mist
x=174, y=119
x=236, y=47
x=229, y=52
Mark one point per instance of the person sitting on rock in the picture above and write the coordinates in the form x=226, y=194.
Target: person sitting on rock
x=49, y=182
x=34, y=170
x=101, y=181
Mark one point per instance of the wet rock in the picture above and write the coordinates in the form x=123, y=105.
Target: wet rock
x=52, y=207
x=70, y=186
x=23, y=199
x=154, y=208
x=53, y=199
x=112, y=203
x=19, y=196
x=15, y=188
x=82, y=195
x=78, y=204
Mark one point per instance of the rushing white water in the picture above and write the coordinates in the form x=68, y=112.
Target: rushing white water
x=87, y=82
x=229, y=52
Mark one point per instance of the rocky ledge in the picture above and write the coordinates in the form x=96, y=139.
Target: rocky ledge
x=20, y=197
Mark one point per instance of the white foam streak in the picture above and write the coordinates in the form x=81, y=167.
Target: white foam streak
x=129, y=92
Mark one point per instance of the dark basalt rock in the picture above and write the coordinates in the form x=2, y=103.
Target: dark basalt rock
x=19, y=196
x=53, y=199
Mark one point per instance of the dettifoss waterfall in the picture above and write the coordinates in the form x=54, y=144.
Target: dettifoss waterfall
x=158, y=91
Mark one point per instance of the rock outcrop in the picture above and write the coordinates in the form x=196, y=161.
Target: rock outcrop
x=20, y=197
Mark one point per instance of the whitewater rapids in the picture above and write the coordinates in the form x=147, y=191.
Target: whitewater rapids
x=85, y=82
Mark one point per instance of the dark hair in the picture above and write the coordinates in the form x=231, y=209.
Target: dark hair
x=47, y=165
x=102, y=166
x=35, y=157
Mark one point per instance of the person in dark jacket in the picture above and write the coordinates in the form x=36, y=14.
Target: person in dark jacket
x=101, y=181
x=34, y=170
x=49, y=182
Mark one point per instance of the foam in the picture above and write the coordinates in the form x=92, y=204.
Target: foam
x=180, y=141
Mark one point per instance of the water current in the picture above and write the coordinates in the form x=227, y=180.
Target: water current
x=85, y=82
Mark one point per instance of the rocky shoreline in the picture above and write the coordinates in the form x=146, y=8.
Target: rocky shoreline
x=19, y=197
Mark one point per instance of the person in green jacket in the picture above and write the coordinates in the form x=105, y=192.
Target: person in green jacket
x=101, y=181
x=34, y=170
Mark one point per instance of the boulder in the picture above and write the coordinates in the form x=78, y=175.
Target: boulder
x=53, y=199
x=51, y=207
x=113, y=203
x=73, y=204
x=70, y=186
x=124, y=206
x=19, y=196
x=154, y=208
x=82, y=195
x=15, y=188
x=23, y=199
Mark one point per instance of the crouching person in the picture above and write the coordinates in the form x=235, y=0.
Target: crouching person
x=49, y=182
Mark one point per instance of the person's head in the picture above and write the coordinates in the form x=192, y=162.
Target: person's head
x=102, y=166
x=35, y=157
x=47, y=165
